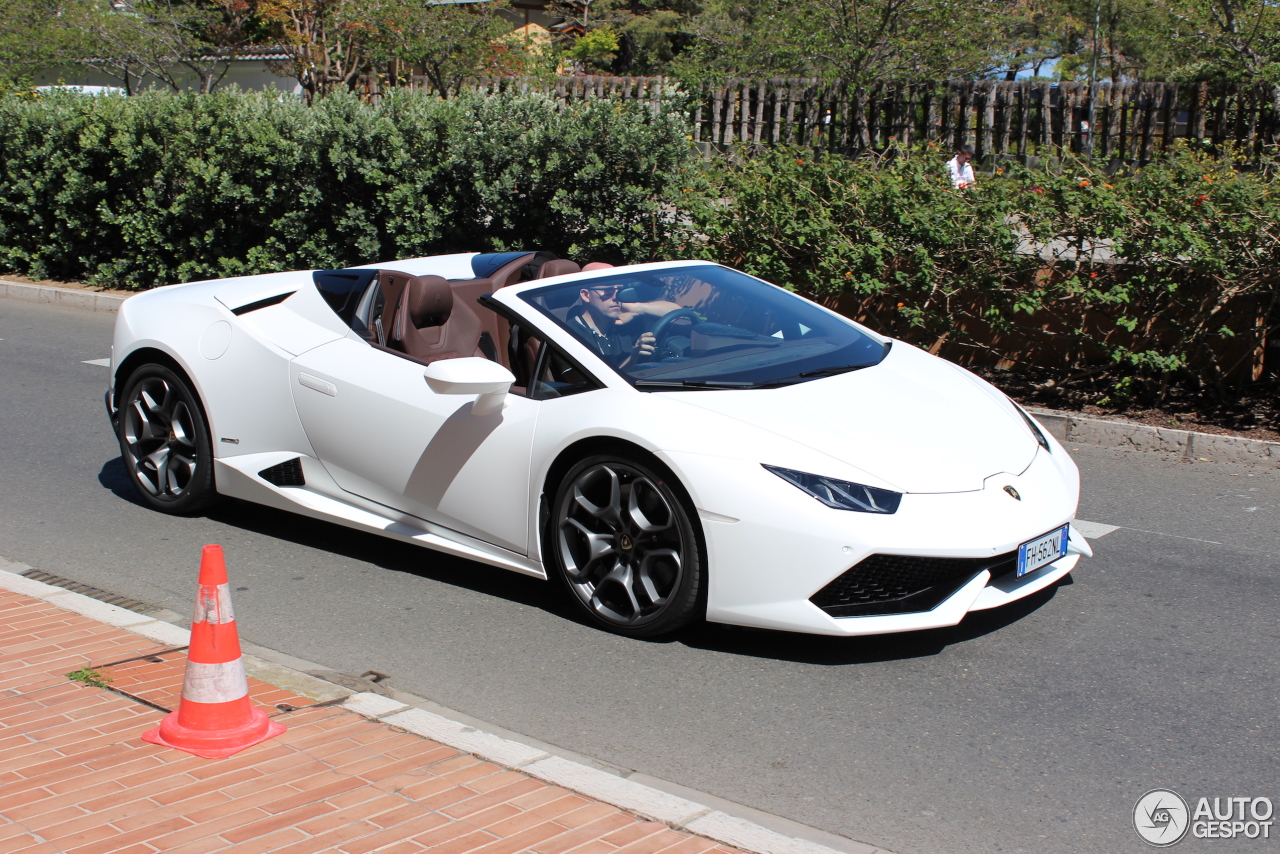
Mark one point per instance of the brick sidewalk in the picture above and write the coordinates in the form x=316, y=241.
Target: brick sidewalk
x=76, y=777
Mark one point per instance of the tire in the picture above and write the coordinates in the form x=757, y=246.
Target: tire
x=165, y=443
x=622, y=542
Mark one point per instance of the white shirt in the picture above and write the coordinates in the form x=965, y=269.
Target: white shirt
x=960, y=174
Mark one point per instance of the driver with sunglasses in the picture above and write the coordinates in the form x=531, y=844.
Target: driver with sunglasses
x=602, y=322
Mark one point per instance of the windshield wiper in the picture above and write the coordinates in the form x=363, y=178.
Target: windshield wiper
x=832, y=370
x=679, y=384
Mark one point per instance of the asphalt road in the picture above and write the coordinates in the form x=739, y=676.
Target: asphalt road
x=1034, y=729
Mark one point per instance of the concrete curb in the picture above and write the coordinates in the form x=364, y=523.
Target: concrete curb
x=1066, y=426
x=65, y=297
x=1186, y=444
x=595, y=783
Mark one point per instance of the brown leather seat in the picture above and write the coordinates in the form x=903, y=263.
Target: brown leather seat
x=476, y=331
x=426, y=307
x=425, y=329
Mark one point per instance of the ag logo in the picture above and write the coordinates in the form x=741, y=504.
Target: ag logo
x=1161, y=818
x=1013, y=492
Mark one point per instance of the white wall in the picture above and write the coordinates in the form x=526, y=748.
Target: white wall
x=252, y=75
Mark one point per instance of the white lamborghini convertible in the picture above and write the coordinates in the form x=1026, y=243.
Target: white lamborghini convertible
x=670, y=441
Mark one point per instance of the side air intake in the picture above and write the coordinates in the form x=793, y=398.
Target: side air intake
x=287, y=473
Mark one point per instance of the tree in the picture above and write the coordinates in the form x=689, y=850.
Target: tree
x=650, y=33
x=598, y=47
x=1227, y=40
x=1030, y=36
x=39, y=34
x=854, y=40
x=328, y=43
x=448, y=41
x=171, y=41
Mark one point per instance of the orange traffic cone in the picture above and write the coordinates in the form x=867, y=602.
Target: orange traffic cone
x=215, y=717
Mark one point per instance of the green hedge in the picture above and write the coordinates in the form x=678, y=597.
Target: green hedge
x=138, y=192
x=1168, y=274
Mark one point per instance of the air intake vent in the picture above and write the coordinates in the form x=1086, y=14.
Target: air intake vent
x=262, y=303
x=902, y=584
x=287, y=473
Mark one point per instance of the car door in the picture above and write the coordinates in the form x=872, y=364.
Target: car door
x=383, y=434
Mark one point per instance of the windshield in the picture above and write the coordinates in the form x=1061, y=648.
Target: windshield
x=705, y=327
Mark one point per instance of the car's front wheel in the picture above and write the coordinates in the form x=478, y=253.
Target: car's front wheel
x=624, y=546
x=165, y=443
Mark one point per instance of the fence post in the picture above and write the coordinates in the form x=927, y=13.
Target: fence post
x=1257, y=97
x=1273, y=137
x=988, y=95
x=1046, y=119
x=775, y=110
x=1196, y=123
x=1024, y=118
x=1150, y=107
x=929, y=109
x=727, y=129
x=1136, y=117
x=1101, y=125
x=1169, y=119
x=892, y=114
x=1004, y=117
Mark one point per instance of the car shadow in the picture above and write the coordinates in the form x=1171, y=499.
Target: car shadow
x=390, y=554
x=549, y=597
x=115, y=477
x=825, y=650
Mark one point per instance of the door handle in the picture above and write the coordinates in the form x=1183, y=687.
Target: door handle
x=318, y=384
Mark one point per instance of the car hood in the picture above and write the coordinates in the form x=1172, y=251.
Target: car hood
x=914, y=420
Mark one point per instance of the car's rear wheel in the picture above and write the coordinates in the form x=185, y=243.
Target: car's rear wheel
x=623, y=544
x=165, y=443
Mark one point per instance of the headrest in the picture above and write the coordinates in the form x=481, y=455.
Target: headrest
x=529, y=271
x=559, y=267
x=428, y=300
x=596, y=265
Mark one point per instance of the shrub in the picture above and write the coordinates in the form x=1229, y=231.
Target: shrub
x=159, y=188
x=1172, y=270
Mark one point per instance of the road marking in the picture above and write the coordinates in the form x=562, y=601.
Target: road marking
x=102, y=363
x=1177, y=537
x=1093, y=530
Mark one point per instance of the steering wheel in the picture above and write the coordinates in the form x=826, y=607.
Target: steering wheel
x=662, y=330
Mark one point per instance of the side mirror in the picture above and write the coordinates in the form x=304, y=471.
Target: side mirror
x=472, y=375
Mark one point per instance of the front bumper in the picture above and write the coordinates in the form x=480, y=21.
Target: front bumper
x=771, y=547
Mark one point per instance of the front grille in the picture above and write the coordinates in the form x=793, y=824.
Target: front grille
x=904, y=584
x=287, y=473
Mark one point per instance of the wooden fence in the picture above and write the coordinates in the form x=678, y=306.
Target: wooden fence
x=1131, y=122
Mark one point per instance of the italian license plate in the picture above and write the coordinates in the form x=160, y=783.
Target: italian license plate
x=1042, y=550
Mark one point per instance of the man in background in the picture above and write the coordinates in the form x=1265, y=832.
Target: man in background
x=960, y=168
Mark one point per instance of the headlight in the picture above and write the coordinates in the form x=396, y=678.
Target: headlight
x=841, y=494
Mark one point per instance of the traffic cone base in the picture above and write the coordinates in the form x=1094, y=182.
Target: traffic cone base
x=255, y=727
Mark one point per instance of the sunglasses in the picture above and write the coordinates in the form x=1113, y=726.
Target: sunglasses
x=605, y=293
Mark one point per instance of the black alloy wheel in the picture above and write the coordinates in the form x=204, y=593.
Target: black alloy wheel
x=623, y=544
x=165, y=443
